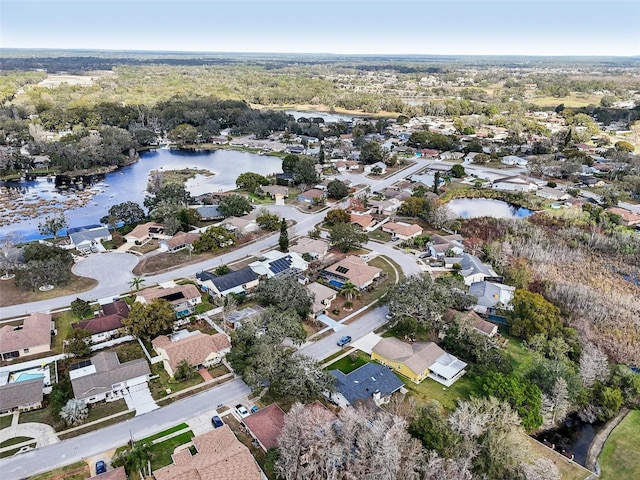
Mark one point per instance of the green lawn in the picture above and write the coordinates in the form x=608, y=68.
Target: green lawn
x=63, y=321
x=349, y=364
x=520, y=358
x=161, y=452
x=164, y=433
x=5, y=421
x=619, y=458
x=102, y=410
x=385, y=263
x=448, y=396
x=43, y=415
x=159, y=385
x=15, y=441
x=379, y=235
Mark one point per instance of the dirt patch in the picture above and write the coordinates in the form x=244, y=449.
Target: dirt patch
x=12, y=295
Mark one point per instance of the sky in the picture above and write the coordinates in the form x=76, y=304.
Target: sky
x=390, y=27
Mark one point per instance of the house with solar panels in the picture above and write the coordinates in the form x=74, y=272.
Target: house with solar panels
x=279, y=264
x=238, y=282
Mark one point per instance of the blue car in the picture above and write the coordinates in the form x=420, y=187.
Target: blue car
x=216, y=421
x=101, y=467
x=344, y=340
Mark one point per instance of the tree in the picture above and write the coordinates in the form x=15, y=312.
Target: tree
x=222, y=270
x=556, y=405
x=594, y=365
x=44, y=265
x=337, y=215
x=436, y=182
x=305, y=171
x=52, y=224
x=81, y=308
x=283, y=241
x=267, y=220
x=521, y=394
x=9, y=253
x=623, y=146
x=285, y=293
x=533, y=314
x=289, y=163
x=127, y=212
x=184, y=371
x=169, y=194
x=337, y=189
x=414, y=206
x=234, y=206
x=349, y=290
x=74, y=412
x=430, y=425
x=213, y=239
x=346, y=236
x=183, y=134
x=150, y=319
x=136, y=282
x=188, y=217
x=78, y=343
x=458, y=171
x=371, y=153
x=251, y=181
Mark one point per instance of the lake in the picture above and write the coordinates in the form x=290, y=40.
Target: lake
x=129, y=184
x=486, y=207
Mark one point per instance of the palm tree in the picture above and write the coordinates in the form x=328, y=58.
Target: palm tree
x=349, y=290
x=139, y=457
x=136, y=282
x=74, y=412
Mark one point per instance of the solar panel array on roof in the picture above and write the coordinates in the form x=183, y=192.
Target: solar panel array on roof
x=172, y=297
x=280, y=265
x=342, y=269
x=84, y=363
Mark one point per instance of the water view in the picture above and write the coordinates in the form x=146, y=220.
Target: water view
x=129, y=184
x=485, y=207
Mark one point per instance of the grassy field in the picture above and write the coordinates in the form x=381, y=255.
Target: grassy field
x=379, y=235
x=448, y=396
x=573, y=100
x=619, y=458
x=12, y=295
x=349, y=364
x=164, y=433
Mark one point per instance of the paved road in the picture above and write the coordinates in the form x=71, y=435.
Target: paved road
x=364, y=325
x=75, y=449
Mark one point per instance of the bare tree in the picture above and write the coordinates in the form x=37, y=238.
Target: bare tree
x=556, y=405
x=542, y=469
x=593, y=365
x=9, y=253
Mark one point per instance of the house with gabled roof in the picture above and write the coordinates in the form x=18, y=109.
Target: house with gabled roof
x=179, y=241
x=265, y=425
x=322, y=297
x=316, y=248
x=491, y=295
x=239, y=281
x=474, y=270
x=106, y=325
x=196, y=348
x=276, y=264
x=515, y=183
x=30, y=338
x=146, y=231
x=401, y=230
x=352, y=269
x=105, y=378
x=183, y=298
x=216, y=455
x=88, y=236
x=364, y=221
x=475, y=321
x=21, y=396
x=418, y=360
x=370, y=382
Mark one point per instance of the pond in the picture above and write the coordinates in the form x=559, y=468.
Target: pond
x=126, y=184
x=574, y=437
x=486, y=207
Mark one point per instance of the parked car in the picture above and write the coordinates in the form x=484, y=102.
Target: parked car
x=101, y=467
x=216, y=421
x=389, y=316
x=344, y=340
x=254, y=409
x=242, y=410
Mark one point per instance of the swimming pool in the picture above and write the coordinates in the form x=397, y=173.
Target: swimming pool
x=336, y=283
x=23, y=377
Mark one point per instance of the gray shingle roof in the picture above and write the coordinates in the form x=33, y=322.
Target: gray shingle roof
x=230, y=280
x=364, y=381
x=13, y=395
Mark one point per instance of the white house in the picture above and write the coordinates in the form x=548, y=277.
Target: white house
x=88, y=237
x=378, y=167
x=490, y=295
x=220, y=286
x=473, y=270
x=276, y=263
x=514, y=160
x=515, y=183
x=403, y=231
x=552, y=194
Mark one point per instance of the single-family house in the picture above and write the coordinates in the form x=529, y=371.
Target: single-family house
x=365, y=222
x=401, y=230
x=88, y=237
x=234, y=320
x=146, y=231
x=265, y=425
x=21, y=396
x=106, y=325
x=215, y=455
x=627, y=217
x=552, y=193
x=196, y=348
x=347, y=165
x=473, y=270
x=315, y=248
x=515, y=183
x=183, y=298
x=240, y=225
x=179, y=241
x=440, y=245
x=322, y=297
x=30, y=338
x=370, y=382
x=277, y=264
x=591, y=181
x=274, y=191
x=474, y=320
x=379, y=168
x=491, y=295
x=418, y=360
x=239, y=282
x=208, y=212
x=385, y=207
x=352, y=269
x=310, y=196
x=427, y=179
x=105, y=378
x=514, y=160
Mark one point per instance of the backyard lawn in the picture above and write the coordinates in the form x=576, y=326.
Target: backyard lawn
x=619, y=458
x=429, y=389
x=349, y=363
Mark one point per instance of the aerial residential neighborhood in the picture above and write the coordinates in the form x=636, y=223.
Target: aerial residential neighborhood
x=416, y=256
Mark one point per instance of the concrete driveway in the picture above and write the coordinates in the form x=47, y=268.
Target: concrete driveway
x=140, y=399
x=43, y=434
x=366, y=343
x=110, y=269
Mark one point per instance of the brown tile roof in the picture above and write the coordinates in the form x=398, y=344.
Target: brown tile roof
x=117, y=474
x=266, y=425
x=313, y=193
x=119, y=307
x=182, y=238
x=357, y=270
x=475, y=320
x=362, y=220
x=194, y=349
x=99, y=324
x=35, y=331
x=108, y=372
x=418, y=356
x=189, y=291
x=220, y=457
x=399, y=229
x=142, y=231
x=630, y=218
x=18, y=394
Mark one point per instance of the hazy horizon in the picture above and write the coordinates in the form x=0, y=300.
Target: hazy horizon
x=547, y=28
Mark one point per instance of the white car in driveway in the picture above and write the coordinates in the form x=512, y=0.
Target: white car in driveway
x=242, y=411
